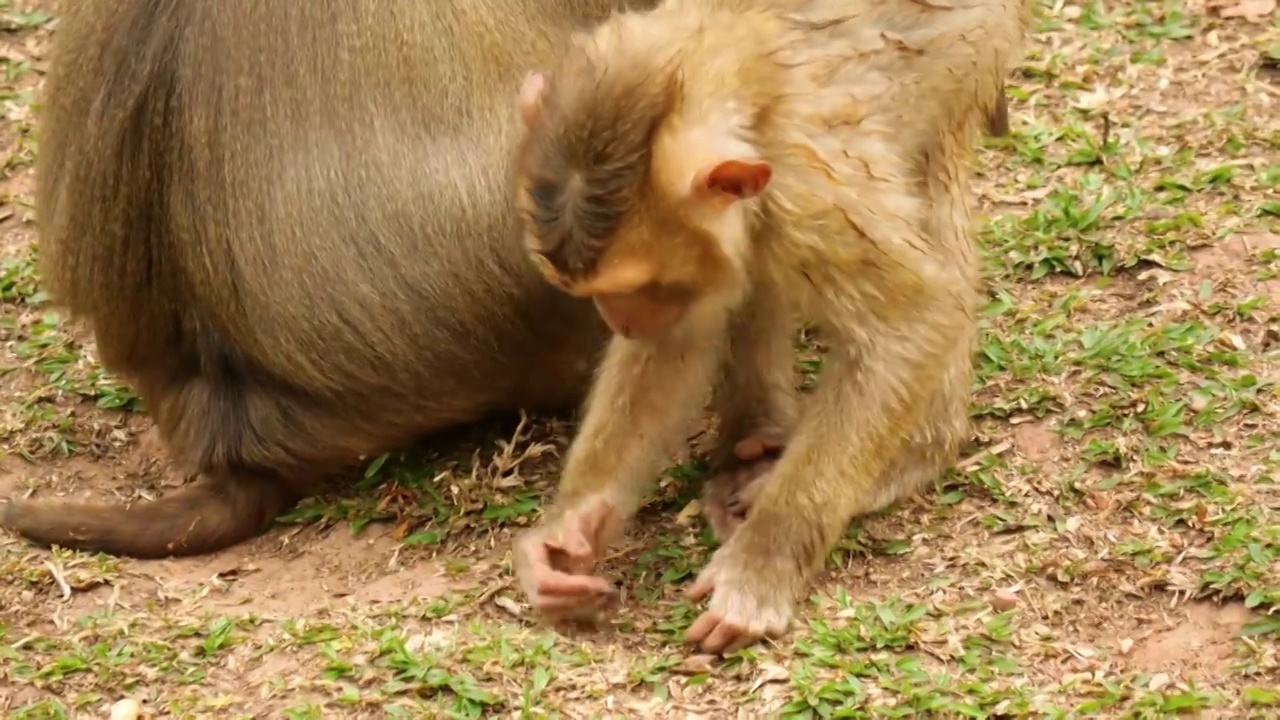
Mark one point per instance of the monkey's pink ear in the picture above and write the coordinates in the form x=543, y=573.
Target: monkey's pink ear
x=737, y=179
x=535, y=83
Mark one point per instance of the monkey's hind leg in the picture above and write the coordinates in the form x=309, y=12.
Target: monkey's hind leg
x=737, y=480
x=757, y=406
x=935, y=442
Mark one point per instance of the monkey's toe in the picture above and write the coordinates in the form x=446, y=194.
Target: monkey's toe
x=747, y=482
x=717, y=635
x=761, y=445
x=723, y=523
x=737, y=506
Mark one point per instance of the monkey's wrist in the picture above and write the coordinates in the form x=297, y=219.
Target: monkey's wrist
x=798, y=541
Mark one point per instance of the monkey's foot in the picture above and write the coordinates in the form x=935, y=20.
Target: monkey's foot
x=730, y=493
x=750, y=600
x=555, y=562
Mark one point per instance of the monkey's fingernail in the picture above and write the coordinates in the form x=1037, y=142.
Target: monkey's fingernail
x=699, y=589
x=701, y=627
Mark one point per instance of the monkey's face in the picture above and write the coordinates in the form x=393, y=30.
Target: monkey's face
x=677, y=247
x=647, y=214
x=647, y=280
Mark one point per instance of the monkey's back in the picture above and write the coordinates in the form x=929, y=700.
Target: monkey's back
x=312, y=194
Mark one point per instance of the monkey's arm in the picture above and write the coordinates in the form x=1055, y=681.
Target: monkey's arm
x=647, y=397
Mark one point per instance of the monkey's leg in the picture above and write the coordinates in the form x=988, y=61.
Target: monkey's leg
x=934, y=445
x=835, y=465
x=647, y=398
x=756, y=404
x=729, y=494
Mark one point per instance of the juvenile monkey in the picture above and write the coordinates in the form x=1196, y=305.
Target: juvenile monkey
x=702, y=172
x=289, y=226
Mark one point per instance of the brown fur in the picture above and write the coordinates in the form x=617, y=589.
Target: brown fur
x=288, y=225
x=998, y=120
x=815, y=161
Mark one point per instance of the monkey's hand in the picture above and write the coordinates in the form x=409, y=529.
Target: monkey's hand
x=731, y=492
x=752, y=597
x=554, y=562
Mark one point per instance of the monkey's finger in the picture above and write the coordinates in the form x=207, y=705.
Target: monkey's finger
x=554, y=583
x=597, y=520
x=737, y=505
x=719, y=639
x=527, y=560
x=573, y=543
x=701, y=587
x=742, y=640
x=564, y=608
x=727, y=637
x=532, y=549
x=702, y=627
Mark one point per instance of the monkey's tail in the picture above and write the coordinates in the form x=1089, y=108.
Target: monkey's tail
x=205, y=516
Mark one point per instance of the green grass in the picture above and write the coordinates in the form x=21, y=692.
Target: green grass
x=1110, y=548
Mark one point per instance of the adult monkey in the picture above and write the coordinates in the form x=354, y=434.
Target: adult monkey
x=289, y=226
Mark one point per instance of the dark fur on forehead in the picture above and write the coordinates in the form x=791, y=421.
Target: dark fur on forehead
x=586, y=161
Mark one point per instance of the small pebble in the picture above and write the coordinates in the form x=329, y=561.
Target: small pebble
x=1159, y=681
x=126, y=709
x=1004, y=600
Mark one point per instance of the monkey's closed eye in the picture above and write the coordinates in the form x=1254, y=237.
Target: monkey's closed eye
x=544, y=193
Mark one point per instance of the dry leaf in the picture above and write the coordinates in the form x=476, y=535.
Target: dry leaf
x=689, y=513
x=1251, y=10
x=506, y=603
x=1100, y=97
x=697, y=665
x=770, y=673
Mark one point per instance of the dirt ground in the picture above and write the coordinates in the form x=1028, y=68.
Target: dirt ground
x=1111, y=547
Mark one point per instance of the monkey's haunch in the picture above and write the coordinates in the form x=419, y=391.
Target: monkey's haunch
x=205, y=516
x=267, y=220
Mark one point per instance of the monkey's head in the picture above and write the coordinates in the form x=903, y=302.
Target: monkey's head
x=630, y=195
